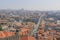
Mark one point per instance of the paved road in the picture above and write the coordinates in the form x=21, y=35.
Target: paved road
x=36, y=27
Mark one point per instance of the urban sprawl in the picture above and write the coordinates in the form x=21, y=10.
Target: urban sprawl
x=29, y=25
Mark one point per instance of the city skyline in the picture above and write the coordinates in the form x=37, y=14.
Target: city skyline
x=30, y=4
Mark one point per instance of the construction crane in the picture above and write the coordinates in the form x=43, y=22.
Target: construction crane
x=35, y=29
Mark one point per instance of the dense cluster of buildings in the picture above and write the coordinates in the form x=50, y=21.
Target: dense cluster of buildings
x=17, y=25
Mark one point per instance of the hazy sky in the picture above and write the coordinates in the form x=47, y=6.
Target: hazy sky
x=30, y=4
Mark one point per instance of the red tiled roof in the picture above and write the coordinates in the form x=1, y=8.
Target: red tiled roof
x=4, y=34
x=27, y=38
x=24, y=31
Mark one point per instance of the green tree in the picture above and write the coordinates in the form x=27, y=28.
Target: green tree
x=0, y=28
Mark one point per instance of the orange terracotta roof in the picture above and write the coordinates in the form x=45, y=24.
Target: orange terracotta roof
x=4, y=34
x=27, y=38
x=9, y=33
x=24, y=31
